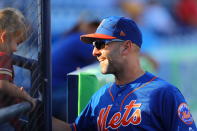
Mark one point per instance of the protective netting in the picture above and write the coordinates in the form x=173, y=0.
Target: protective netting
x=28, y=63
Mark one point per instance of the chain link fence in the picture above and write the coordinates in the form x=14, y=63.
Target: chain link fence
x=32, y=67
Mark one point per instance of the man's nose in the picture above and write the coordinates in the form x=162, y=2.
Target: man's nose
x=96, y=52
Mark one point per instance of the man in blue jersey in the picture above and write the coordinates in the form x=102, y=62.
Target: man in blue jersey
x=137, y=100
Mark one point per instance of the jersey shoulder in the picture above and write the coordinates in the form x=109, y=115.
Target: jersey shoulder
x=160, y=90
x=158, y=84
x=164, y=86
x=102, y=92
x=165, y=93
x=167, y=100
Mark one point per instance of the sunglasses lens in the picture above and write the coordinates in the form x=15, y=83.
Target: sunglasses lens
x=99, y=44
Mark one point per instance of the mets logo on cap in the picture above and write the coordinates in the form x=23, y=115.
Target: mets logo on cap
x=184, y=114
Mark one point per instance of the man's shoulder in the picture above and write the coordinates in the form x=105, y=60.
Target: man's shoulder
x=162, y=91
x=102, y=90
x=158, y=85
x=161, y=86
x=161, y=83
x=156, y=81
x=100, y=94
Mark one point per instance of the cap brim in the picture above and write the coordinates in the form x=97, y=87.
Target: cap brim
x=89, y=38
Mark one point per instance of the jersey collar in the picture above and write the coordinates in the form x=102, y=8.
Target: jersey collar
x=114, y=89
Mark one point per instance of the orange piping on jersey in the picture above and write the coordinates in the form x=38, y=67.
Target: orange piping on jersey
x=135, y=90
x=111, y=94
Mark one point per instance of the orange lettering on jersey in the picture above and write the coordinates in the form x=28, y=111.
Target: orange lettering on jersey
x=136, y=115
x=117, y=119
x=101, y=120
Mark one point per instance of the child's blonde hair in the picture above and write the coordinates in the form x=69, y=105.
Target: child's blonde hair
x=13, y=22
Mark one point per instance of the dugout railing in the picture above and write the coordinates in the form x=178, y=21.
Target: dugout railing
x=12, y=111
x=17, y=110
x=34, y=120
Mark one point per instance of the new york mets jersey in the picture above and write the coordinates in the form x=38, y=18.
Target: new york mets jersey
x=146, y=104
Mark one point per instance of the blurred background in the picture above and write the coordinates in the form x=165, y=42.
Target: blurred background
x=169, y=39
x=169, y=49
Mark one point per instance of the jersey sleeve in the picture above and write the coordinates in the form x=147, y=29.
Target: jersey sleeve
x=175, y=113
x=6, y=71
x=87, y=120
x=84, y=120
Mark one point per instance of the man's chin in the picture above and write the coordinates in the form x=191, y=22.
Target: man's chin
x=104, y=69
x=105, y=72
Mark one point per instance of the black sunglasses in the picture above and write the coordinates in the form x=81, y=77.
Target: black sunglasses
x=100, y=44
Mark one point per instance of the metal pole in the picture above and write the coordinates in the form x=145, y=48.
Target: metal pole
x=46, y=62
x=12, y=111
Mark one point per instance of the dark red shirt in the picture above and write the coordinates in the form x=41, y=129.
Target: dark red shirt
x=6, y=73
x=6, y=67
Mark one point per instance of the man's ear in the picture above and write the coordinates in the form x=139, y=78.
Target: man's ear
x=2, y=36
x=126, y=47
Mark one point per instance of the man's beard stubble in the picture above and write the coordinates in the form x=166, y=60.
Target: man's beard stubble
x=112, y=67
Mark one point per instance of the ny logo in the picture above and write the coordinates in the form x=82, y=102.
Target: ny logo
x=118, y=119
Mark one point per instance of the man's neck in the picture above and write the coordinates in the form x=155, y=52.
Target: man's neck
x=128, y=76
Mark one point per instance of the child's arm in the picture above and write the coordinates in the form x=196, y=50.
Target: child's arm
x=59, y=125
x=12, y=90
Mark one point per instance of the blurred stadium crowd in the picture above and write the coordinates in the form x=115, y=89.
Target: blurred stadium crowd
x=155, y=15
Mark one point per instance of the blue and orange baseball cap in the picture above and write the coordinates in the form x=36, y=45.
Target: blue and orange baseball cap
x=115, y=27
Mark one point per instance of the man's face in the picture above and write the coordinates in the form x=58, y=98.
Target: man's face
x=109, y=57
